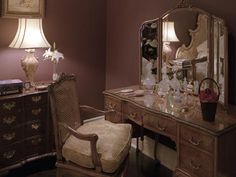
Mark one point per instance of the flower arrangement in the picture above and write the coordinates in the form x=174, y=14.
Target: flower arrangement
x=208, y=95
x=54, y=55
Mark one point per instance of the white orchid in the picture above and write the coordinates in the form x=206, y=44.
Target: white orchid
x=48, y=53
x=54, y=55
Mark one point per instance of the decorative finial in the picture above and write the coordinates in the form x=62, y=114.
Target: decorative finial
x=184, y=4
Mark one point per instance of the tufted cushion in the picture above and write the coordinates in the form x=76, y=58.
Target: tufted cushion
x=113, y=144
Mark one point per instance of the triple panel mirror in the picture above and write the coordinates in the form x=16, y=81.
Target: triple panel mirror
x=190, y=39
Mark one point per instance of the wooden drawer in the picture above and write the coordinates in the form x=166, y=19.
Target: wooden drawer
x=112, y=103
x=11, y=135
x=35, y=146
x=133, y=113
x=36, y=112
x=196, y=138
x=10, y=120
x=35, y=128
x=12, y=105
x=11, y=154
x=160, y=124
x=180, y=173
x=36, y=99
x=196, y=162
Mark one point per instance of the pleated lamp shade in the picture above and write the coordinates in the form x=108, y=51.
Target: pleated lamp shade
x=29, y=35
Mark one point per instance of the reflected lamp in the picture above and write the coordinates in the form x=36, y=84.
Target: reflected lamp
x=29, y=36
x=168, y=35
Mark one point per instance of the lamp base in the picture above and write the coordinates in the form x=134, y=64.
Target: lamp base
x=30, y=65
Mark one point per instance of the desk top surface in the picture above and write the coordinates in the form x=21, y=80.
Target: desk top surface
x=192, y=116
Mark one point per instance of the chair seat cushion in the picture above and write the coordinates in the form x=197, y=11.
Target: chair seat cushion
x=113, y=144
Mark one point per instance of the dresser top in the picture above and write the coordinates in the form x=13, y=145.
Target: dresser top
x=192, y=116
x=31, y=91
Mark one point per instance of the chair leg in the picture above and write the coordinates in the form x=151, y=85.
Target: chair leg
x=59, y=174
x=137, y=144
x=155, y=149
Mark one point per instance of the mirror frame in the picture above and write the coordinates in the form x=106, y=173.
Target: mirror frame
x=184, y=5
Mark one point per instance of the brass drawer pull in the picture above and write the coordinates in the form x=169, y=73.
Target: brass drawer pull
x=9, y=136
x=111, y=106
x=9, y=106
x=9, y=120
x=193, y=166
x=36, y=111
x=132, y=115
x=160, y=127
x=35, y=126
x=193, y=142
x=36, y=141
x=9, y=155
x=36, y=99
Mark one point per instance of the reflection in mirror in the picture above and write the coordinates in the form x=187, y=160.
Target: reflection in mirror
x=193, y=45
x=219, y=56
x=149, y=54
x=190, y=54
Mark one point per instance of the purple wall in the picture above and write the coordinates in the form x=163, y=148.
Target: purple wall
x=124, y=17
x=85, y=30
x=79, y=30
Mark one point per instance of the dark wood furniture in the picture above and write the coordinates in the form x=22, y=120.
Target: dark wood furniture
x=25, y=129
x=204, y=149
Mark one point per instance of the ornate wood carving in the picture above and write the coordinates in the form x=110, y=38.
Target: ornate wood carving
x=198, y=36
x=184, y=4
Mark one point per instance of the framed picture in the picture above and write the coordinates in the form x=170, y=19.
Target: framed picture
x=23, y=8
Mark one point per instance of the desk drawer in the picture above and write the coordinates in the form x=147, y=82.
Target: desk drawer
x=11, y=105
x=11, y=119
x=11, y=135
x=11, y=154
x=160, y=124
x=196, y=138
x=35, y=145
x=35, y=128
x=113, y=103
x=36, y=112
x=133, y=113
x=36, y=99
x=196, y=162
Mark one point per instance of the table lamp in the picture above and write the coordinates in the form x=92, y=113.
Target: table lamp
x=29, y=36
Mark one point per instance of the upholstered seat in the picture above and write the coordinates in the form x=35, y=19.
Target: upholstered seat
x=98, y=148
x=113, y=144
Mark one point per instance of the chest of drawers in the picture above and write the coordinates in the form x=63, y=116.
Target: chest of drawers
x=25, y=129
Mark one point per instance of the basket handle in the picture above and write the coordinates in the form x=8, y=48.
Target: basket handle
x=208, y=78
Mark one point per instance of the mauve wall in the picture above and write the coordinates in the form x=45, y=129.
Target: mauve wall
x=124, y=18
x=79, y=29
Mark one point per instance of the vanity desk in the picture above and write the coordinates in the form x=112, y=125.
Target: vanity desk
x=204, y=149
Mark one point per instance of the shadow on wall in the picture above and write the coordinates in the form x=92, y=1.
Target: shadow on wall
x=231, y=69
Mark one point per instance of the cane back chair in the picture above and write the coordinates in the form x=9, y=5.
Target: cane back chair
x=97, y=148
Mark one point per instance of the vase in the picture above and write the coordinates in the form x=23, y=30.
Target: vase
x=30, y=65
x=208, y=111
x=54, y=74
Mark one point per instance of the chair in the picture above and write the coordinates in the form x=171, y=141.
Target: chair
x=98, y=148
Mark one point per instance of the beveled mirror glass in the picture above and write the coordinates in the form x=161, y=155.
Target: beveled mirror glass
x=149, y=48
x=190, y=39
